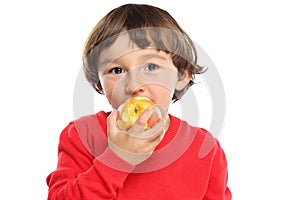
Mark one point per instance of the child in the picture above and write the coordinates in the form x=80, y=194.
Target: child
x=138, y=50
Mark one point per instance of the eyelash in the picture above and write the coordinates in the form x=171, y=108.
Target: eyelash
x=113, y=70
x=147, y=67
x=152, y=65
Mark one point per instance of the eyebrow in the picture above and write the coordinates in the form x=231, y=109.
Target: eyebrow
x=152, y=55
x=106, y=61
x=143, y=57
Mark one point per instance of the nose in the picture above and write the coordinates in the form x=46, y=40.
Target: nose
x=134, y=84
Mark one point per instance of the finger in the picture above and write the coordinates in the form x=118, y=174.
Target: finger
x=155, y=141
x=156, y=137
x=158, y=114
x=154, y=131
x=152, y=143
x=135, y=130
x=111, y=122
x=138, y=127
x=160, y=111
x=144, y=117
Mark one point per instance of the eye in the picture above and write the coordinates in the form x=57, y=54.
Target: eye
x=116, y=70
x=151, y=67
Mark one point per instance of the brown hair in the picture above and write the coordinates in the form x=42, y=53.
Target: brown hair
x=147, y=26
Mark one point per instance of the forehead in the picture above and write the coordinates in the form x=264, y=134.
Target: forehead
x=124, y=46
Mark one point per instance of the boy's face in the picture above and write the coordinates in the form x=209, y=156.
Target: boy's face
x=126, y=70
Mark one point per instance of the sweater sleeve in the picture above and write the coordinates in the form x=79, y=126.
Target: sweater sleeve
x=81, y=176
x=217, y=187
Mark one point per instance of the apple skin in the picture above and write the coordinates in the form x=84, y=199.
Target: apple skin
x=132, y=109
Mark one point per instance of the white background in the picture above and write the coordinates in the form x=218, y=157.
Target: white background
x=254, y=45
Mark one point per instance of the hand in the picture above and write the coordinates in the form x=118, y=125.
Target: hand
x=135, y=145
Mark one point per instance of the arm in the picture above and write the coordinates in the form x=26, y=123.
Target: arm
x=217, y=188
x=81, y=176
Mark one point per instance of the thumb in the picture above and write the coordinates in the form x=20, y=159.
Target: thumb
x=112, y=121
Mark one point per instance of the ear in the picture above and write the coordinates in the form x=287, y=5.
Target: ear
x=183, y=80
x=98, y=88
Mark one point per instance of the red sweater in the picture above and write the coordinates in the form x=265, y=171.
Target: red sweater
x=188, y=164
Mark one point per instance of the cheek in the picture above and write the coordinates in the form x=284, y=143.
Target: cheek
x=106, y=86
x=113, y=91
x=162, y=95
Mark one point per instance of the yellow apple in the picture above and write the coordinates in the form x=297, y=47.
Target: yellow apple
x=132, y=109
